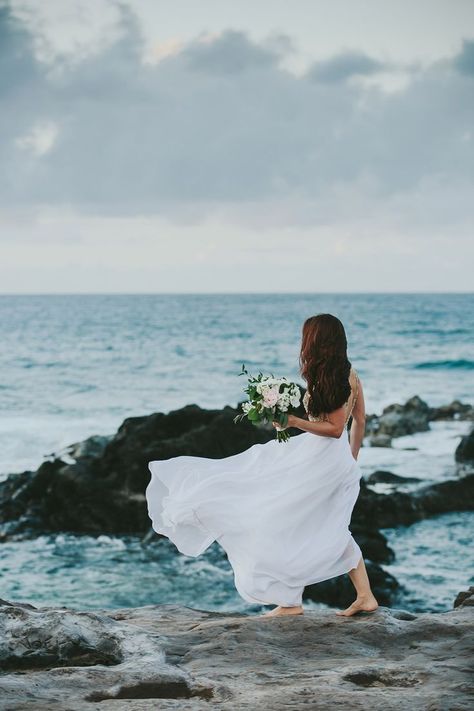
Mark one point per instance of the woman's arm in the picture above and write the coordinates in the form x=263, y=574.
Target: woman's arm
x=332, y=427
x=357, y=430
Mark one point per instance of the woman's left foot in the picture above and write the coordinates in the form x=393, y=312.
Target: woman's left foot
x=281, y=611
x=361, y=604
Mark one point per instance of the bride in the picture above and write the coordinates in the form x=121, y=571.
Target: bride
x=281, y=511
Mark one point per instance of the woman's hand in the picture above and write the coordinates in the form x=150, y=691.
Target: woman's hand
x=290, y=423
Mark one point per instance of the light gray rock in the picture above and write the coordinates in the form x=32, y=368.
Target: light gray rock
x=399, y=420
x=168, y=657
x=456, y=410
x=380, y=440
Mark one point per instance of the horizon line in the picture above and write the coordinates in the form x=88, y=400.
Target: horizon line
x=231, y=293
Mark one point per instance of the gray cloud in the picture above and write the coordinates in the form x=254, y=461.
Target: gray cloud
x=231, y=53
x=221, y=122
x=464, y=62
x=344, y=66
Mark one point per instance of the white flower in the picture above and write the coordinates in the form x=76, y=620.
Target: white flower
x=246, y=406
x=295, y=400
x=283, y=402
x=270, y=396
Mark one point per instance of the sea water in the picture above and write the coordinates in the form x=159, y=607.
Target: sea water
x=72, y=366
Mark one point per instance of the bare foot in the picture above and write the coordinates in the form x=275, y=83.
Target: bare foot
x=281, y=611
x=361, y=604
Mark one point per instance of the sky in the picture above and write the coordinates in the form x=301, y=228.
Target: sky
x=224, y=146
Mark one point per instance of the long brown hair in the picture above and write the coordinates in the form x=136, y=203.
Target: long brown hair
x=324, y=363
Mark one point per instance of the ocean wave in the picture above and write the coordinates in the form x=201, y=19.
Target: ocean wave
x=461, y=363
x=426, y=331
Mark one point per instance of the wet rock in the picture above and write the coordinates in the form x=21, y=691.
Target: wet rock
x=51, y=654
x=465, y=450
x=456, y=410
x=372, y=542
x=92, y=447
x=380, y=440
x=399, y=420
x=31, y=640
x=339, y=591
x=465, y=598
x=179, y=658
x=103, y=489
x=384, y=477
x=402, y=508
x=98, y=486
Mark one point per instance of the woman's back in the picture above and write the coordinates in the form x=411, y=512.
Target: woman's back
x=348, y=405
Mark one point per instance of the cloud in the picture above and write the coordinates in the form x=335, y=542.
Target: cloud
x=40, y=139
x=217, y=126
x=464, y=62
x=229, y=53
x=344, y=66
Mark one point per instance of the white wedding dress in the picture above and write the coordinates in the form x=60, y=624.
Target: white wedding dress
x=281, y=511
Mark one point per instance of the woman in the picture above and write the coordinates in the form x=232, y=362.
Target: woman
x=281, y=511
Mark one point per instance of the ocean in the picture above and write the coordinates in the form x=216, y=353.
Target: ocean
x=72, y=366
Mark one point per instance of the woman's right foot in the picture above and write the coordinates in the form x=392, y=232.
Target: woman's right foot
x=360, y=604
x=282, y=611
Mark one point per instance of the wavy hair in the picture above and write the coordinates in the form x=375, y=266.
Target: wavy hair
x=324, y=363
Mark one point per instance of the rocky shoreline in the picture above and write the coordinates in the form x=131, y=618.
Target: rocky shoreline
x=169, y=657
x=97, y=486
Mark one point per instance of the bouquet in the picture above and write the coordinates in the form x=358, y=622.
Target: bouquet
x=270, y=399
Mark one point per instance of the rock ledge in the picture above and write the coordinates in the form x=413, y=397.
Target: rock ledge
x=191, y=659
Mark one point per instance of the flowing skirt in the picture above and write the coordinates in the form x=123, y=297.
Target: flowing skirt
x=281, y=511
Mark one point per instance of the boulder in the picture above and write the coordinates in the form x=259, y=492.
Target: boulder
x=340, y=591
x=402, y=508
x=384, y=477
x=465, y=450
x=379, y=439
x=465, y=598
x=103, y=489
x=456, y=410
x=98, y=486
x=399, y=420
x=30, y=639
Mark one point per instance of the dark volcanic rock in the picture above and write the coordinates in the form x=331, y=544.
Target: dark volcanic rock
x=465, y=597
x=383, y=477
x=169, y=657
x=104, y=490
x=373, y=543
x=465, y=449
x=340, y=591
x=402, y=508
